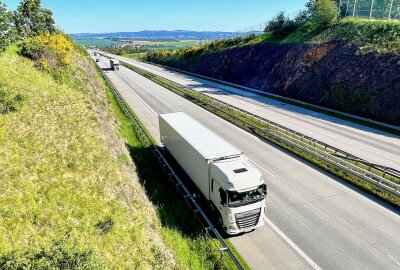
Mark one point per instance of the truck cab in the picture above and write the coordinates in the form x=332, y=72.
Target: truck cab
x=114, y=64
x=238, y=192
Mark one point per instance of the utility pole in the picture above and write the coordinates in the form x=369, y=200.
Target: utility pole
x=390, y=10
x=372, y=7
x=354, y=8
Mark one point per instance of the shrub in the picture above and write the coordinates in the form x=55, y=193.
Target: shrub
x=302, y=16
x=281, y=25
x=49, y=51
x=325, y=13
x=233, y=41
x=249, y=37
x=193, y=50
x=276, y=22
x=59, y=256
x=8, y=103
x=287, y=28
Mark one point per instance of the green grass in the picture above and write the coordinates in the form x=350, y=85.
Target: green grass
x=378, y=36
x=178, y=44
x=136, y=56
x=180, y=231
x=246, y=122
x=66, y=175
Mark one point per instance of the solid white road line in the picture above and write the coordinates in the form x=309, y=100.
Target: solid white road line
x=292, y=245
x=262, y=168
x=151, y=109
x=272, y=225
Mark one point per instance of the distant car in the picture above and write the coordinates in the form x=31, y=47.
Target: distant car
x=97, y=59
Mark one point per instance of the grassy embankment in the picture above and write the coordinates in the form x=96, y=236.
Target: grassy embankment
x=72, y=197
x=70, y=194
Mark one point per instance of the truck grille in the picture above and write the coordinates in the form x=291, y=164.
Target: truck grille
x=248, y=219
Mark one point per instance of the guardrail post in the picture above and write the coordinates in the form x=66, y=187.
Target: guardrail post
x=297, y=141
x=222, y=250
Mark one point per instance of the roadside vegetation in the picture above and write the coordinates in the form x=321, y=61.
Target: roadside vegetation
x=79, y=190
x=320, y=57
x=137, y=49
x=71, y=198
x=258, y=128
x=318, y=23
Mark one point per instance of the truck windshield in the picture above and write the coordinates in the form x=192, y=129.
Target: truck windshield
x=236, y=199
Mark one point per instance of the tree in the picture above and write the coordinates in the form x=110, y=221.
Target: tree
x=6, y=27
x=276, y=22
x=307, y=13
x=31, y=19
x=324, y=13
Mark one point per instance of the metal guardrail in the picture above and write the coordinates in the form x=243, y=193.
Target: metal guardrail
x=327, y=157
x=179, y=185
x=314, y=142
x=336, y=151
x=290, y=100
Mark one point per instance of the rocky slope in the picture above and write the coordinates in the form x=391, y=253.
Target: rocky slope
x=334, y=73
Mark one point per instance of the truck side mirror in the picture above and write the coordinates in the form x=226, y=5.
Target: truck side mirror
x=222, y=194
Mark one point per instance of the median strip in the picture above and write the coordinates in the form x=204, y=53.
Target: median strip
x=383, y=185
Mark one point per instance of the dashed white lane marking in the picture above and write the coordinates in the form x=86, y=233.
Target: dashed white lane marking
x=151, y=109
x=272, y=225
x=262, y=168
x=393, y=259
x=293, y=245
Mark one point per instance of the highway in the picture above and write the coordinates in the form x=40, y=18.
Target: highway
x=313, y=220
x=370, y=144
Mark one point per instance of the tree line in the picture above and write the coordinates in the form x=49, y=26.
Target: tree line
x=30, y=19
x=319, y=14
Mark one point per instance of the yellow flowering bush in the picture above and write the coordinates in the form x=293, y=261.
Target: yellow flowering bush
x=59, y=44
x=50, y=51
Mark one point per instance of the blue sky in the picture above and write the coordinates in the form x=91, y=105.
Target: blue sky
x=78, y=16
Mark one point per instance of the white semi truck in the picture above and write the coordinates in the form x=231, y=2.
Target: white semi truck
x=233, y=187
x=114, y=64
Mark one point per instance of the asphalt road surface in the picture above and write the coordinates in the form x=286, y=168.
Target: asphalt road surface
x=313, y=220
x=370, y=144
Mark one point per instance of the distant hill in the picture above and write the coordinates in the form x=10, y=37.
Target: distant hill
x=157, y=34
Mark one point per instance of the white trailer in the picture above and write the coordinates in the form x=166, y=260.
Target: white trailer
x=230, y=183
x=114, y=64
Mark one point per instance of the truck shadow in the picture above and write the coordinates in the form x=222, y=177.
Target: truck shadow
x=106, y=69
x=172, y=209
